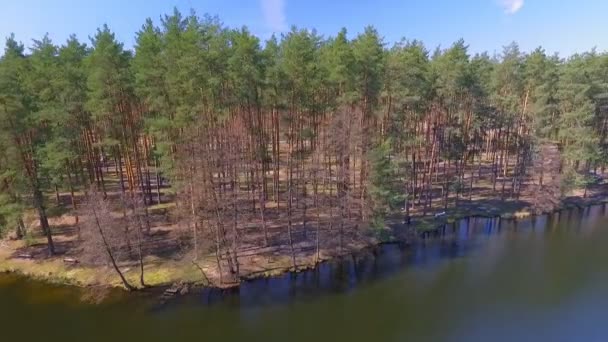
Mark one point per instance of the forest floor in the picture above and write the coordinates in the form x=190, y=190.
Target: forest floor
x=168, y=262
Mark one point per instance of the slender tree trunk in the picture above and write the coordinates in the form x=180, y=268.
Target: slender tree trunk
x=44, y=222
x=72, y=196
x=290, y=199
x=120, y=175
x=140, y=253
x=20, y=230
x=158, y=182
x=57, y=197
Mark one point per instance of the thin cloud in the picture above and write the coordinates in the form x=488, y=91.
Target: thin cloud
x=274, y=14
x=511, y=6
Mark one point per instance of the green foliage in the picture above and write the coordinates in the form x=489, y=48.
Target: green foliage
x=299, y=64
x=451, y=73
x=337, y=62
x=508, y=83
x=109, y=83
x=369, y=64
x=457, y=185
x=383, y=189
x=10, y=213
x=577, y=131
x=573, y=179
x=29, y=239
x=27, y=111
x=407, y=73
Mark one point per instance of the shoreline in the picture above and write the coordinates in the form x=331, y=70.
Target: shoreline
x=182, y=274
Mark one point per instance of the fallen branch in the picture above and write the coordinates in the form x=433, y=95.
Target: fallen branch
x=70, y=261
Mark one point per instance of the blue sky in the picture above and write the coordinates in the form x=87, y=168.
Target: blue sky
x=564, y=26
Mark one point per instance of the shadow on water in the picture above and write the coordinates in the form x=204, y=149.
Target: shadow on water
x=460, y=239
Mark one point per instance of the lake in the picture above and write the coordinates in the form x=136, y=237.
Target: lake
x=540, y=279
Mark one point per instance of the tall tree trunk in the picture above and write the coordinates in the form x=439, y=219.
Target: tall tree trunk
x=44, y=222
x=290, y=199
x=158, y=181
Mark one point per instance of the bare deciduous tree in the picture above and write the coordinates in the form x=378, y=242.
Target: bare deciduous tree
x=103, y=237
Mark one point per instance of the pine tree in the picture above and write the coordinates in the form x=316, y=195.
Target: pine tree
x=25, y=107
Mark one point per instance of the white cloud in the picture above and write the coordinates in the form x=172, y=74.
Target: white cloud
x=274, y=14
x=511, y=6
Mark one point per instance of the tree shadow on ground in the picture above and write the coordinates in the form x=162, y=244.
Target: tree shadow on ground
x=40, y=251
